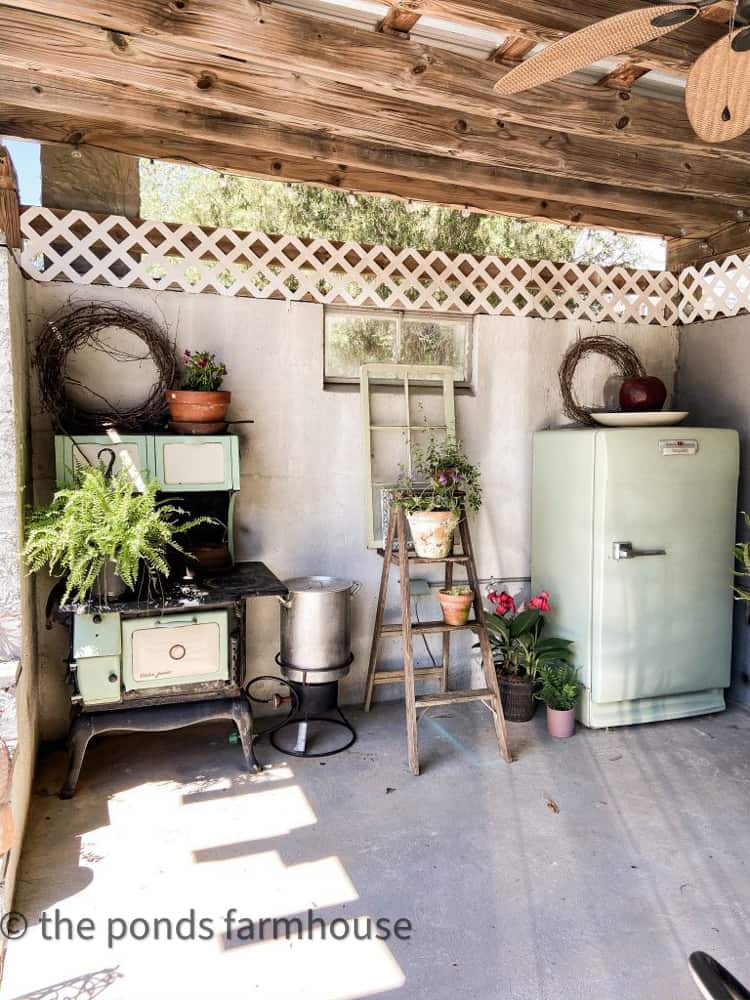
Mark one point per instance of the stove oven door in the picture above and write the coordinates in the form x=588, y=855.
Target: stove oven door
x=175, y=649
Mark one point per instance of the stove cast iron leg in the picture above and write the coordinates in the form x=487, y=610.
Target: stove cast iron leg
x=243, y=720
x=81, y=732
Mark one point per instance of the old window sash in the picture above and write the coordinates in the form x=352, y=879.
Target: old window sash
x=402, y=406
x=398, y=318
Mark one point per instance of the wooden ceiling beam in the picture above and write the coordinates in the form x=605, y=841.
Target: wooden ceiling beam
x=549, y=20
x=540, y=21
x=622, y=77
x=400, y=18
x=159, y=144
x=336, y=111
x=10, y=223
x=730, y=239
x=513, y=50
x=284, y=39
x=658, y=212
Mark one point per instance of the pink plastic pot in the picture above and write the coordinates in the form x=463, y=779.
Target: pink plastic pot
x=561, y=725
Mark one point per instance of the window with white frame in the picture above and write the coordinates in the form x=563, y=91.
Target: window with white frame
x=355, y=337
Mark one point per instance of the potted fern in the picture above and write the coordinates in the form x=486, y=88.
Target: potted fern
x=560, y=691
x=101, y=532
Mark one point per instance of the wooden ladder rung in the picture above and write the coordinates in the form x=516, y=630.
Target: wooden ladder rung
x=428, y=627
x=420, y=560
x=396, y=676
x=453, y=697
x=395, y=553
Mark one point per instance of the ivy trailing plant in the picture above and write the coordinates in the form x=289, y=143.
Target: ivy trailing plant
x=444, y=479
x=102, y=519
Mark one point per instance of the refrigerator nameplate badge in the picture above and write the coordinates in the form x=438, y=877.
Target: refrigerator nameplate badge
x=678, y=446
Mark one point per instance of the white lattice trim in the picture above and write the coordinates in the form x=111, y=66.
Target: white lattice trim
x=113, y=250
x=718, y=288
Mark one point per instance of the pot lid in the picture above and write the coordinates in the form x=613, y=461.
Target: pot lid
x=317, y=584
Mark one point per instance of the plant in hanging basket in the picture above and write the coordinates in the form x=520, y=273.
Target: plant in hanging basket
x=200, y=400
x=444, y=485
x=520, y=652
x=101, y=532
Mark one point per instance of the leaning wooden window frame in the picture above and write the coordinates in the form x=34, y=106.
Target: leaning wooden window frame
x=399, y=316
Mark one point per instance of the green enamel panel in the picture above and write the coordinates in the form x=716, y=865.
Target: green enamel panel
x=92, y=637
x=98, y=680
x=191, y=463
x=175, y=649
x=130, y=450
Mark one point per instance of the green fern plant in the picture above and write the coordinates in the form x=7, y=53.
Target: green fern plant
x=103, y=519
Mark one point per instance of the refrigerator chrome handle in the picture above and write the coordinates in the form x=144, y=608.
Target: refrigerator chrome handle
x=625, y=550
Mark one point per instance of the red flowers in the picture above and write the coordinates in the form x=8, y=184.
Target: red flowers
x=540, y=602
x=503, y=602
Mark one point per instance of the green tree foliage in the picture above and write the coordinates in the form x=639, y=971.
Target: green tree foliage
x=191, y=194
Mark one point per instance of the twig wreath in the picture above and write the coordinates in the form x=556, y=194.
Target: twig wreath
x=627, y=362
x=79, y=325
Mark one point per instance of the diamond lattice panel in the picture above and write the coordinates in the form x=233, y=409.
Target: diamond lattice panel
x=113, y=250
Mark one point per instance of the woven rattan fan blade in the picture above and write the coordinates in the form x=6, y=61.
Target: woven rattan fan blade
x=606, y=38
x=718, y=93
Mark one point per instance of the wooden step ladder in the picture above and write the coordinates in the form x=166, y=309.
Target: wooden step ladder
x=396, y=553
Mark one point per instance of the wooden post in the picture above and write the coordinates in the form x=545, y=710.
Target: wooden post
x=10, y=212
x=409, y=694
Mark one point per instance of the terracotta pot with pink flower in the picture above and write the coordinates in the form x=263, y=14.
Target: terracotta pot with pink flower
x=199, y=401
x=444, y=487
x=520, y=651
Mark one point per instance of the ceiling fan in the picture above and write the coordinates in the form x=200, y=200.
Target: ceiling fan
x=717, y=95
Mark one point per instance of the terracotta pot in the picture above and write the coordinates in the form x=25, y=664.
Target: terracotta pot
x=432, y=532
x=517, y=697
x=186, y=405
x=561, y=725
x=646, y=394
x=455, y=607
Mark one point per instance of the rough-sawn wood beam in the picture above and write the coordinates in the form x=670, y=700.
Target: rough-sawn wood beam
x=281, y=38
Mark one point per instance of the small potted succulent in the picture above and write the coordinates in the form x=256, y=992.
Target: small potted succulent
x=560, y=691
x=444, y=488
x=455, y=603
x=519, y=651
x=200, y=400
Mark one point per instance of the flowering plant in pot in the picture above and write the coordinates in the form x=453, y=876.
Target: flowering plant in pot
x=200, y=400
x=520, y=652
x=445, y=486
x=560, y=691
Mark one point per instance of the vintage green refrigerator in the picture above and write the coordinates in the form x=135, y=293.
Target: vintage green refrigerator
x=632, y=535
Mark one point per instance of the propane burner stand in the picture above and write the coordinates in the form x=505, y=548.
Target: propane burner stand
x=313, y=699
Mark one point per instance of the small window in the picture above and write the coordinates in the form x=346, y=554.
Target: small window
x=355, y=337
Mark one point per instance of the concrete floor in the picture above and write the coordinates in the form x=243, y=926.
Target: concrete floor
x=588, y=869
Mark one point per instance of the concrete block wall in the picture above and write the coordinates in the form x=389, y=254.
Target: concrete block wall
x=301, y=506
x=19, y=664
x=713, y=383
